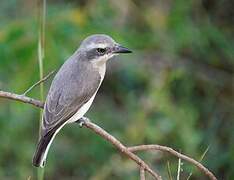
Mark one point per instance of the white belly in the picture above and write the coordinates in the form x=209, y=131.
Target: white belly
x=81, y=112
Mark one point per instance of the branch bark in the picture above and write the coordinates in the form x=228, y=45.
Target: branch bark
x=21, y=98
x=128, y=151
x=123, y=149
x=142, y=173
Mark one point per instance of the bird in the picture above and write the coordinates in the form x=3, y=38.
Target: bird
x=74, y=88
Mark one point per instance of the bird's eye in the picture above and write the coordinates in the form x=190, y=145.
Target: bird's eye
x=101, y=50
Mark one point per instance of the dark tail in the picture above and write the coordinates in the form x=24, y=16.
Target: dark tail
x=43, y=146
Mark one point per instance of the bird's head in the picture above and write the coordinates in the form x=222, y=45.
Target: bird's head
x=100, y=48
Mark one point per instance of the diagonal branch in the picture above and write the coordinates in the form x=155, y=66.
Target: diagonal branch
x=128, y=151
x=38, y=82
x=98, y=130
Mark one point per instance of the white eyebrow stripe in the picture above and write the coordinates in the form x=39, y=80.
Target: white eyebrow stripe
x=99, y=45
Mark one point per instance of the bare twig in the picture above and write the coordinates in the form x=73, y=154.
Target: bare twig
x=38, y=82
x=175, y=153
x=21, y=98
x=142, y=173
x=128, y=151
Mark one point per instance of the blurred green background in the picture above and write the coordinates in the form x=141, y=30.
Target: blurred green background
x=176, y=89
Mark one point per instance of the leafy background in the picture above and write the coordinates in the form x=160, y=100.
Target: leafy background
x=176, y=89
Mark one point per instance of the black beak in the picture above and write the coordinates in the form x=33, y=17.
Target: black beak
x=121, y=49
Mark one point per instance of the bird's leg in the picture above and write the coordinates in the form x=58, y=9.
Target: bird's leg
x=82, y=121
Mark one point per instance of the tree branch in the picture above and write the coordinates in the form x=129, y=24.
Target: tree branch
x=123, y=149
x=175, y=153
x=21, y=98
x=128, y=151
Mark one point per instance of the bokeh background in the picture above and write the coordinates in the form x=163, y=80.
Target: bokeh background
x=176, y=89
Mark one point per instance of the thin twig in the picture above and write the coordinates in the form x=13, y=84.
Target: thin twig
x=38, y=82
x=175, y=153
x=127, y=151
x=142, y=173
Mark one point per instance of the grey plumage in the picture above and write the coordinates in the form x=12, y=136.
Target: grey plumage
x=69, y=91
x=74, y=85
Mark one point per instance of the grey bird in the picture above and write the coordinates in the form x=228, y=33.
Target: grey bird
x=73, y=89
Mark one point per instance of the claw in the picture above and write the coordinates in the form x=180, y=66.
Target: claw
x=82, y=121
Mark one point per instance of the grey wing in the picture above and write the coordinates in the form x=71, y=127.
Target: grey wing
x=68, y=92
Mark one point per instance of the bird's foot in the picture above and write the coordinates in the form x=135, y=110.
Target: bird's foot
x=82, y=121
